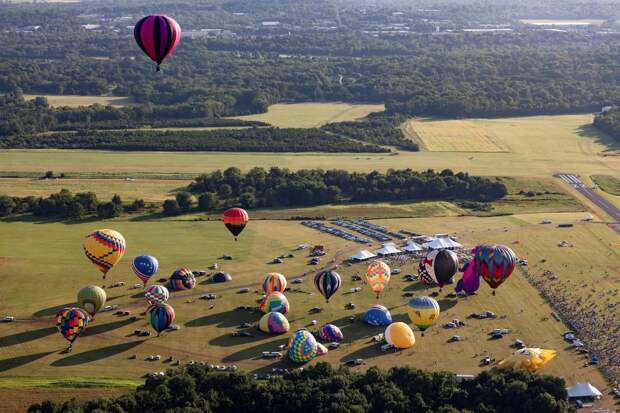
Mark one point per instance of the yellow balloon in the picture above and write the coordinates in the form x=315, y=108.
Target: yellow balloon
x=530, y=359
x=399, y=335
x=378, y=276
x=423, y=311
x=104, y=248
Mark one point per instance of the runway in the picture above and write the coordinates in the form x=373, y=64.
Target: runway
x=591, y=194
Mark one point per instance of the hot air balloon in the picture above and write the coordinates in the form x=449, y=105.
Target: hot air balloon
x=470, y=282
x=160, y=316
x=91, y=299
x=273, y=281
x=181, y=279
x=273, y=323
x=71, y=323
x=378, y=276
x=321, y=349
x=144, y=266
x=276, y=301
x=235, y=220
x=330, y=333
x=441, y=265
x=423, y=312
x=302, y=346
x=156, y=294
x=530, y=359
x=399, y=335
x=157, y=36
x=377, y=315
x=327, y=282
x=494, y=263
x=104, y=248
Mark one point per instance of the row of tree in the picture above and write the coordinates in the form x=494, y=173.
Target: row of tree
x=609, y=122
x=65, y=204
x=321, y=388
x=282, y=187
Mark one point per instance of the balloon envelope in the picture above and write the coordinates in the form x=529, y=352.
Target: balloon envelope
x=530, y=359
x=276, y=301
x=378, y=276
x=330, y=333
x=302, y=346
x=399, y=335
x=104, y=248
x=72, y=323
x=156, y=294
x=441, y=265
x=235, y=220
x=274, y=323
x=182, y=279
x=91, y=299
x=157, y=36
x=423, y=311
x=144, y=266
x=494, y=263
x=377, y=315
x=327, y=283
x=273, y=281
x=160, y=316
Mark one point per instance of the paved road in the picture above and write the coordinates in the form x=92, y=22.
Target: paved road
x=591, y=194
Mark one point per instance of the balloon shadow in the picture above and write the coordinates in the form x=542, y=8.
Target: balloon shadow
x=50, y=311
x=368, y=352
x=418, y=286
x=104, y=328
x=26, y=336
x=96, y=354
x=254, y=353
x=446, y=304
x=8, y=364
x=231, y=318
x=227, y=340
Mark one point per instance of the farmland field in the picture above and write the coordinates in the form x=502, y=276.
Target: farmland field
x=75, y=100
x=50, y=254
x=312, y=115
x=563, y=22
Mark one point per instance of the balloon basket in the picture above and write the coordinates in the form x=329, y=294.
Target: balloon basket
x=493, y=292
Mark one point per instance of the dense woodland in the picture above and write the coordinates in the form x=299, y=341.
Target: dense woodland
x=609, y=122
x=282, y=187
x=321, y=388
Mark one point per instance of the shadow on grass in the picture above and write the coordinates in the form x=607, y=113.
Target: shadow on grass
x=227, y=319
x=446, y=304
x=51, y=311
x=46, y=220
x=93, y=330
x=254, y=353
x=8, y=364
x=26, y=336
x=365, y=353
x=96, y=354
x=591, y=132
x=154, y=216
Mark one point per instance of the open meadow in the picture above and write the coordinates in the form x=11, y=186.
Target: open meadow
x=82, y=100
x=36, y=254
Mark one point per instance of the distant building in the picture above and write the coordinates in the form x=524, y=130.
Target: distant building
x=606, y=109
x=270, y=23
x=27, y=29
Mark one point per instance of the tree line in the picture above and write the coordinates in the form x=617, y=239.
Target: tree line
x=322, y=389
x=279, y=187
x=609, y=122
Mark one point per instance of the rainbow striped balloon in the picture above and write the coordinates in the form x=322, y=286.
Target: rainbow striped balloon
x=273, y=281
x=273, y=323
x=156, y=294
x=72, y=322
x=302, y=346
x=160, y=316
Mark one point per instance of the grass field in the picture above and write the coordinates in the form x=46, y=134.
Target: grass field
x=78, y=100
x=539, y=146
x=607, y=183
x=35, y=254
x=312, y=115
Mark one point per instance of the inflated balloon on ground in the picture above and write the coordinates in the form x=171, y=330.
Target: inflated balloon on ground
x=302, y=346
x=273, y=323
x=273, y=281
x=276, y=301
x=377, y=315
x=182, y=279
x=423, y=311
x=399, y=335
x=330, y=333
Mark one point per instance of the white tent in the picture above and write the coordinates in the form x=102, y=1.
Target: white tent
x=442, y=242
x=583, y=390
x=362, y=256
x=388, y=250
x=412, y=247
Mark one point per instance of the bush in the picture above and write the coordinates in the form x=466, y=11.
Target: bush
x=171, y=207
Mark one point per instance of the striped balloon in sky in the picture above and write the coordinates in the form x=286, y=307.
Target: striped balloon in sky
x=157, y=36
x=327, y=282
x=160, y=316
x=144, y=266
x=235, y=220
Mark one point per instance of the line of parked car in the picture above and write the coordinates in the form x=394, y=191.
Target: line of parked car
x=362, y=230
x=335, y=231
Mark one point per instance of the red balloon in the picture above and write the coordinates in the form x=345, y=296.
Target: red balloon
x=235, y=220
x=157, y=36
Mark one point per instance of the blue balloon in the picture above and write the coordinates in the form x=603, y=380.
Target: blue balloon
x=377, y=315
x=144, y=266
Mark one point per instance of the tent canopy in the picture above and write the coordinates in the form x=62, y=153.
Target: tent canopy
x=221, y=277
x=412, y=247
x=387, y=250
x=362, y=255
x=442, y=242
x=583, y=390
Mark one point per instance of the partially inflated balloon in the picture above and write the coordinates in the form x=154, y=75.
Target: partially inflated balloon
x=72, y=323
x=530, y=359
x=104, y=248
x=330, y=333
x=377, y=315
x=321, y=349
x=144, y=266
x=157, y=36
x=399, y=335
x=160, y=316
x=470, y=282
x=494, y=263
x=378, y=276
x=235, y=220
x=302, y=346
x=156, y=294
x=441, y=265
x=91, y=299
x=327, y=282
x=423, y=311
x=276, y=301
x=273, y=323
x=182, y=279
x=273, y=281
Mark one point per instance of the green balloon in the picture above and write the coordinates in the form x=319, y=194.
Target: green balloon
x=91, y=299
